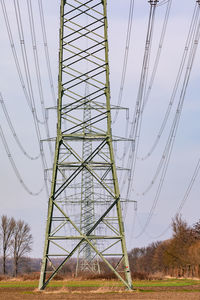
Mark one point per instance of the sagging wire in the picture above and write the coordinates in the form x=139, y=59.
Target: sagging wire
x=156, y=62
x=15, y=56
x=38, y=72
x=12, y=162
x=14, y=132
x=126, y=54
x=19, y=69
x=25, y=57
x=121, y=158
x=137, y=117
x=175, y=88
x=28, y=94
x=46, y=50
x=163, y=2
x=187, y=48
x=158, y=54
x=183, y=201
x=175, y=124
x=155, y=67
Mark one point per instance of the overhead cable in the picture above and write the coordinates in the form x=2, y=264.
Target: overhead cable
x=183, y=201
x=136, y=120
x=175, y=124
x=15, y=56
x=38, y=72
x=19, y=177
x=126, y=54
x=156, y=62
x=46, y=49
x=28, y=94
x=163, y=2
x=176, y=85
x=14, y=132
x=29, y=83
x=190, y=186
x=25, y=57
x=158, y=54
x=190, y=40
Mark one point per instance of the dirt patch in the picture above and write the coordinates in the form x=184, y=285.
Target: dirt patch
x=106, y=290
x=100, y=293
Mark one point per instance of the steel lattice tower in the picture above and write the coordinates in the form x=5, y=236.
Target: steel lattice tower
x=84, y=122
x=86, y=261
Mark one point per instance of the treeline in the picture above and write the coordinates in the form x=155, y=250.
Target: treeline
x=16, y=241
x=176, y=257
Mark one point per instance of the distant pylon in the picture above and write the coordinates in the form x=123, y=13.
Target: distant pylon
x=83, y=60
x=87, y=260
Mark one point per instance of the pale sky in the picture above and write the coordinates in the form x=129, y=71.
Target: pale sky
x=17, y=203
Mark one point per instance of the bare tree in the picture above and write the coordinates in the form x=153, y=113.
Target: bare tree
x=196, y=230
x=21, y=243
x=6, y=232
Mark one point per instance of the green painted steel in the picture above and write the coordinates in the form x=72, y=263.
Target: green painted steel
x=84, y=121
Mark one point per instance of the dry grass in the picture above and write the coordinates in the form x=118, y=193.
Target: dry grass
x=36, y=276
x=107, y=289
x=4, y=277
x=100, y=290
x=91, y=276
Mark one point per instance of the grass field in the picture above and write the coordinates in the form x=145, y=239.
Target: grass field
x=101, y=289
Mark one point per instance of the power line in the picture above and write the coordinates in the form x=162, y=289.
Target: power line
x=156, y=63
x=155, y=67
x=15, y=56
x=176, y=85
x=25, y=57
x=184, y=199
x=19, y=177
x=37, y=68
x=126, y=54
x=175, y=124
x=190, y=186
x=163, y=2
x=136, y=120
x=46, y=49
x=14, y=132
x=28, y=94
x=29, y=83
x=187, y=48
x=158, y=54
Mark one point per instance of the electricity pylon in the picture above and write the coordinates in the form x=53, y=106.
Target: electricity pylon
x=83, y=61
x=86, y=257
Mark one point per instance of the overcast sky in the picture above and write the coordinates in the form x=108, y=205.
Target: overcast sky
x=16, y=202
